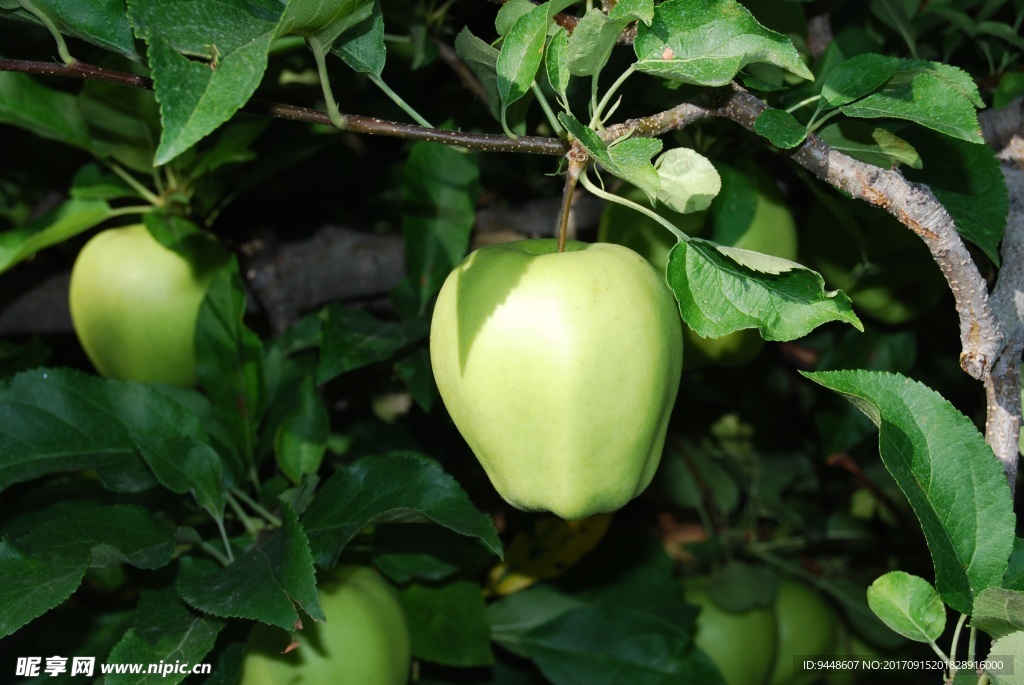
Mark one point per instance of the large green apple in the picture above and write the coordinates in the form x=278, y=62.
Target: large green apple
x=741, y=644
x=365, y=640
x=560, y=370
x=134, y=304
x=769, y=228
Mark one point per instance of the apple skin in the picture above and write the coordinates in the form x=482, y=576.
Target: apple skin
x=806, y=627
x=560, y=370
x=771, y=230
x=365, y=640
x=742, y=645
x=134, y=304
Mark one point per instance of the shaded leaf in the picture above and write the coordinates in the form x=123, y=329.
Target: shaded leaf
x=448, y=624
x=46, y=112
x=266, y=583
x=58, y=420
x=439, y=194
x=606, y=644
x=65, y=221
x=353, y=339
x=937, y=96
x=165, y=631
x=390, y=488
x=871, y=144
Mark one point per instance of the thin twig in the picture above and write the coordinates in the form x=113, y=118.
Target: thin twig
x=482, y=142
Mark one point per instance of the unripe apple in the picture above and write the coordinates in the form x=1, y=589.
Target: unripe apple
x=134, y=303
x=741, y=644
x=365, y=640
x=806, y=628
x=560, y=370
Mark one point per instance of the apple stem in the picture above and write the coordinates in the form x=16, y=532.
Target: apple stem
x=578, y=159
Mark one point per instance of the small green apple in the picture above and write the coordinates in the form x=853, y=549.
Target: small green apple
x=560, y=370
x=742, y=645
x=806, y=627
x=365, y=640
x=134, y=304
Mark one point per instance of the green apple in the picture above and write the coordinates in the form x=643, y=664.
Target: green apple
x=741, y=644
x=560, y=370
x=134, y=304
x=365, y=640
x=806, y=627
x=769, y=228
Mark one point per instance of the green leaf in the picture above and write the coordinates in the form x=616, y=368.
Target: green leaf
x=100, y=22
x=1014, y=578
x=633, y=10
x=266, y=583
x=362, y=46
x=166, y=633
x=206, y=57
x=514, y=616
x=591, y=42
x=448, y=624
x=871, y=144
x=556, y=59
x=93, y=182
x=34, y=586
x=43, y=566
x=854, y=78
x=602, y=645
x=780, y=128
x=949, y=475
x=482, y=60
x=325, y=19
x=509, y=13
x=968, y=180
x=58, y=420
x=782, y=299
x=414, y=370
x=393, y=487
x=353, y=339
x=410, y=551
x=48, y=113
x=1007, y=652
x=998, y=611
x=123, y=124
x=688, y=180
x=439, y=195
x=520, y=57
x=909, y=605
x=628, y=159
x=937, y=96
x=302, y=436
x=65, y=221
x=229, y=359
x=707, y=42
